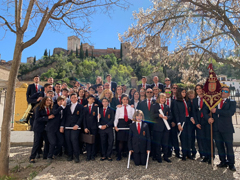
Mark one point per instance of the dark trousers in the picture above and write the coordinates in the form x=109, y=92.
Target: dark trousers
x=38, y=136
x=185, y=138
x=55, y=143
x=161, y=140
x=224, y=140
x=204, y=140
x=140, y=158
x=192, y=138
x=72, y=142
x=91, y=148
x=106, y=136
x=173, y=140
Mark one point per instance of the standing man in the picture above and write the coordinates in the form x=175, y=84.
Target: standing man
x=167, y=83
x=144, y=83
x=113, y=85
x=33, y=88
x=223, y=129
x=58, y=90
x=157, y=84
x=50, y=81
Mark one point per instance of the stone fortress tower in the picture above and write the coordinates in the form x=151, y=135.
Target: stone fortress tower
x=73, y=43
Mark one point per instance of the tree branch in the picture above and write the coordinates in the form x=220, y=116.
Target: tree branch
x=8, y=25
x=28, y=15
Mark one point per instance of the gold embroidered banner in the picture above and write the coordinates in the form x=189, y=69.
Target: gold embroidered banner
x=212, y=89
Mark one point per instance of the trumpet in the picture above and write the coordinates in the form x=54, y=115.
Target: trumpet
x=25, y=116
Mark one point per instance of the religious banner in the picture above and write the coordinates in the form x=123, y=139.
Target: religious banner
x=212, y=89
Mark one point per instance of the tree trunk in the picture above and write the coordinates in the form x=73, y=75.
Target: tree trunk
x=8, y=112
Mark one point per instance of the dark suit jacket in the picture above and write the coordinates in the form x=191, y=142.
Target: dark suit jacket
x=69, y=119
x=147, y=86
x=160, y=86
x=179, y=111
x=223, y=117
x=41, y=120
x=197, y=113
x=113, y=86
x=158, y=122
x=139, y=143
x=108, y=119
x=143, y=106
x=32, y=90
x=35, y=96
x=90, y=120
x=53, y=125
x=42, y=89
x=172, y=111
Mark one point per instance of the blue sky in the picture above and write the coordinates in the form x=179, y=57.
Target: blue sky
x=104, y=33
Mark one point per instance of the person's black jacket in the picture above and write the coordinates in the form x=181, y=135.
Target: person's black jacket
x=41, y=119
x=90, y=120
x=108, y=119
x=179, y=111
x=32, y=90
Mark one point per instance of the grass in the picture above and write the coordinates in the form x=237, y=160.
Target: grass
x=7, y=178
x=32, y=175
x=15, y=169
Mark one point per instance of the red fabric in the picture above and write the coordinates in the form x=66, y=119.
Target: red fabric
x=89, y=108
x=162, y=107
x=139, y=129
x=221, y=104
x=104, y=112
x=58, y=94
x=125, y=114
x=144, y=86
x=186, y=110
x=167, y=101
x=149, y=104
x=201, y=105
x=36, y=88
x=80, y=101
x=174, y=97
x=48, y=112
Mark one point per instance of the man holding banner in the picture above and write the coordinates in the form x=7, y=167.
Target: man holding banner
x=222, y=109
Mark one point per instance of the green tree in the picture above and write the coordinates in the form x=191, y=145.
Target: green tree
x=45, y=53
x=50, y=73
x=81, y=52
x=76, y=51
x=34, y=61
x=49, y=54
x=86, y=54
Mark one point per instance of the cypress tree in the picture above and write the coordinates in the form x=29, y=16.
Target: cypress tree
x=81, y=52
x=34, y=60
x=45, y=53
x=86, y=53
x=76, y=51
x=49, y=54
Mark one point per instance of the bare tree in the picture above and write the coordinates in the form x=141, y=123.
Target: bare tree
x=36, y=15
x=202, y=29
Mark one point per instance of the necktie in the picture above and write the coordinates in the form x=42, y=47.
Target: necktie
x=144, y=86
x=221, y=104
x=173, y=97
x=104, y=112
x=48, y=112
x=125, y=114
x=168, y=102
x=186, y=110
x=201, y=105
x=139, y=129
x=162, y=107
x=36, y=88
x=120, y=100
x=89, y=108
x=149, y=104
x=80, y=101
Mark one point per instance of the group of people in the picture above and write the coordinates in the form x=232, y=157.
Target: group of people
x=150, y=119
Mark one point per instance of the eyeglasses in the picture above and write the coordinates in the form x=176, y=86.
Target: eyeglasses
x=142, y=91
x=168, y=92
x=174, y=87
x=148, y=92
x=225, y=91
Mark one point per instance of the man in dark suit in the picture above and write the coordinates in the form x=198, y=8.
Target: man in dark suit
x=106, y=129
x=33, y=88
x=157, y=84
x=223, y=129
x=113, y=85
x=50, y=81
x=144, y=84
x=167, y=83
x=73, y=117
x=139, y=142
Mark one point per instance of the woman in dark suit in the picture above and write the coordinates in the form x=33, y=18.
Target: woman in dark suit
x=42, y=115
x=182, y=110
x=135, y=100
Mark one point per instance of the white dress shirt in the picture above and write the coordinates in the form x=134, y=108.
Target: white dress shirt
x=120, y=113
x=73, y=106
x=224, y=99
x=135, y=104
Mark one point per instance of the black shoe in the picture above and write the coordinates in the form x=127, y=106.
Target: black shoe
x=167, y=160
x=210, y=161
x=170, y=154
x=109, y=159
x=222, y=165
x=32, y=160
x=88, y=159
x=232, y=168
x=76, y=160
x=205, y=160
x=184, y=158
x=159, y=160
x=190, y=157
x=70, y=158
x=179, y=156
x=44, y=157
x=194, y=156
x=119, y=159
x=103, y=159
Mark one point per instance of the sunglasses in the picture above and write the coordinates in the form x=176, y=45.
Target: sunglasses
x=168, y=92
x=225, y=91
x=148, y=92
